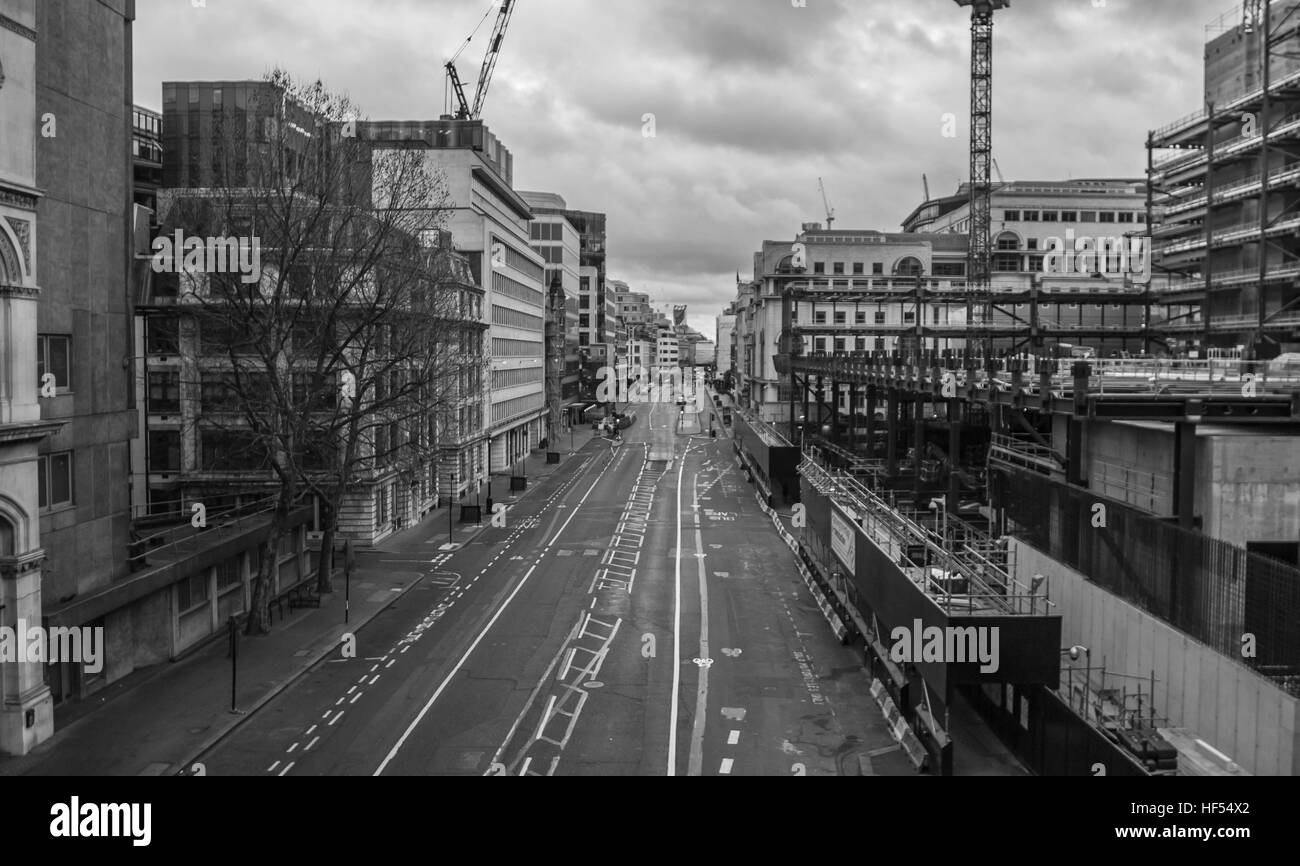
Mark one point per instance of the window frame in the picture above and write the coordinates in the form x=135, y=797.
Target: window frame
x=43, y=343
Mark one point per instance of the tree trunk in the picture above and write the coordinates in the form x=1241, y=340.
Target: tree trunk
x=259, y=610
x=325, y=568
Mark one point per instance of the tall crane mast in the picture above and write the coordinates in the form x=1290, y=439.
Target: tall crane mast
x=980, y=263
x=830, y=214
x=465, y=111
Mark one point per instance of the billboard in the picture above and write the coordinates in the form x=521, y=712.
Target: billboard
x=679, y=316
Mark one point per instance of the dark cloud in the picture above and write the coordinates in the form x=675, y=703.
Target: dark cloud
x=753, y=99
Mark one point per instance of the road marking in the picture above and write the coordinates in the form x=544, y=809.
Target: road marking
x=727, y=764
x=292, y=749
x=271, y=769
x=524, y=770
x=677, y=632
x=356, y=697
x=390, y=664
x=696, y=764
x=286, y=769
x=335, y=720
x=312, y=743
x=309, y=730
x=482, y=634
x=733, y=738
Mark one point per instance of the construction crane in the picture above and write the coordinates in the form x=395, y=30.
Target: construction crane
x=830, y=214
x=980, y=262
x=465, y=111
x=997, y=168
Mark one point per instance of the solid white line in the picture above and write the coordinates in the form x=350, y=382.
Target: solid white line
x=696, y=764
x=546, y=717
x=677, y=632
x=524, y=770
x=479, y=639
x=727, y=764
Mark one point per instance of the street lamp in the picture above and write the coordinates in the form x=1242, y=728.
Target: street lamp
x=1073, y=652
x=802, y=420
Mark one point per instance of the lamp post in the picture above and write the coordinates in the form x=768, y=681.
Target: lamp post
x=1073, y=652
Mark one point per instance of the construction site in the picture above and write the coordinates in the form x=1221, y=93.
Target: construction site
x=1090, y=445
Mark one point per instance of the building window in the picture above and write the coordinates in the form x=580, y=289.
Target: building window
x=1036, y=264
x=880, y=318
x=192, y=593
x=880, y=344
x=838, y=269
x=1106, y=217
x=55, y=480
x=1088, y=216
x=53, y=356
x=862, y=344
x=1127, y=216
x=163, y=335
x=860, y=318
x=819, y=267
x=1029, y=216
x=230, y=572
x=164, y=451
x=1069, y=216
x=841, y=317
x=878, y=268
x=909, y=318
x=859, y=269
x=1011, y=216
x=1003, y=262
x=1050, y=216
x=1008, y=241
x=164, y=393
x=819, y=317
x=839, y=344
x=1032, y=243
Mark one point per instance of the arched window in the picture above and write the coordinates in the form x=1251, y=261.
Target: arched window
x=909, y=267
x=1008, y=241
x=6, y=538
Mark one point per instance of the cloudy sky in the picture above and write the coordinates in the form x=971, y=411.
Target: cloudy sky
x=753, y=100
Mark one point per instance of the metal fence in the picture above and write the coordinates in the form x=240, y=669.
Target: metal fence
x=1216, y=592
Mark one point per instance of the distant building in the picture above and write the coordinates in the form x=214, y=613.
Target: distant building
x=726, y=342
x=490, y=226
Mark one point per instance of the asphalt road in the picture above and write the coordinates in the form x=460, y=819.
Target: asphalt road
x=636, y=615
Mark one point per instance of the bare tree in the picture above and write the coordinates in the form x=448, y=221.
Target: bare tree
x=330, y=352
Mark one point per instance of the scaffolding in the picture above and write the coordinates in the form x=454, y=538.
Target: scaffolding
x=1224, y=196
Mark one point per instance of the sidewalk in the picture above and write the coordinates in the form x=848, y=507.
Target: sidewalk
x=157, y=720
